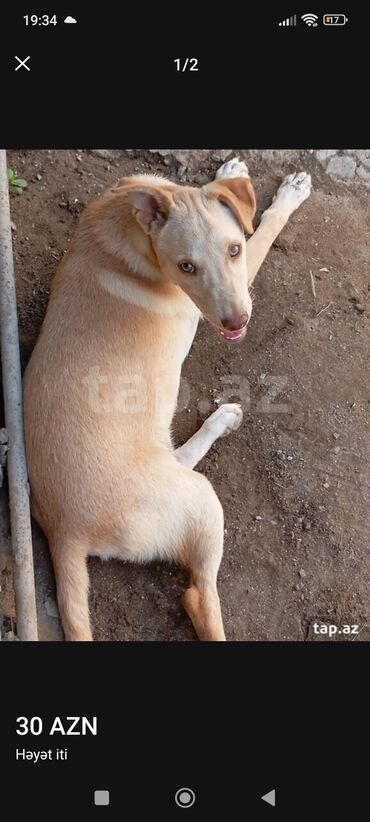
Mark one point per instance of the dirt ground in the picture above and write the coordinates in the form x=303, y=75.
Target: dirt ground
x=294, y=481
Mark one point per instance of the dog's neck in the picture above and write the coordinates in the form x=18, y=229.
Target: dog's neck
x=119, y=241
x=128, y=266
x=158, y=298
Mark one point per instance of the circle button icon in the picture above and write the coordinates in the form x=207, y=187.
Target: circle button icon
x=184, y=797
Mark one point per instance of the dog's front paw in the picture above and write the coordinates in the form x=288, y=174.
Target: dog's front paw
x=294, y=190
x=234, y=168
x=226, y=419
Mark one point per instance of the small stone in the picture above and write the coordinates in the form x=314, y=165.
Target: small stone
x=51, y=608
x=336, y=449
x=294, y=318
x=306, y=525
x=13, y=226
x=222, y=154
x=258, y=519
x=289, y=458
x=302, y=573
x=360, y=308
x=363, y=155
x=107, y=153
x=336, y=436
x=38, y=177
x=323, y=154
x=342, y=166
x=326, y=485
x=363, y=173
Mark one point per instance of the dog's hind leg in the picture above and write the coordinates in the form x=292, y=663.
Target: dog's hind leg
x=201, y=554
x=292, y=192
x=180, y=519
x=201, y=600
x=227, y=418
x=72, y=581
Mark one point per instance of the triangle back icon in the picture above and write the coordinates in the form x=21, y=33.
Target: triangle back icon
x=270, y=797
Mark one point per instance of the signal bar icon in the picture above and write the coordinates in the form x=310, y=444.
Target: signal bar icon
x=290, y=21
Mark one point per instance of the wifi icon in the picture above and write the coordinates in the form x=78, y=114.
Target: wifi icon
x=310, y=19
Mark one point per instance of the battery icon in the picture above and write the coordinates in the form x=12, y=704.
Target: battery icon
x=335, y=19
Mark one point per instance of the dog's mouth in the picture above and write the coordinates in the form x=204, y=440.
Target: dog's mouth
x=233, y=336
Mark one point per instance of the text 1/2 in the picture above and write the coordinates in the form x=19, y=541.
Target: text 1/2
x=186, y=64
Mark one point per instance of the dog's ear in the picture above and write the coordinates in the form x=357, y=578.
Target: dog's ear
x=121, y=183
x=151, y=206
x=238, y=195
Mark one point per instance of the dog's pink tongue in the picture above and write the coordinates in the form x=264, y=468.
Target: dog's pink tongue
x=233, y=336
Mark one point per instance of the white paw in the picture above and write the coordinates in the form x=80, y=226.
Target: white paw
x=234, y=168
x=294, y=190
x=226, y=419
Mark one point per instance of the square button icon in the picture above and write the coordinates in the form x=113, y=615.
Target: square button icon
x=101, y=797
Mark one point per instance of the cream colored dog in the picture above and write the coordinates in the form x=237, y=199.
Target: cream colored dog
x=149, y=258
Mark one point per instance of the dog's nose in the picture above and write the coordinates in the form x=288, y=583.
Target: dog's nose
x=235, y=323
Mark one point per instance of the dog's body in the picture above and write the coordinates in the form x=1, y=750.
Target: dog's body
x=101, y=387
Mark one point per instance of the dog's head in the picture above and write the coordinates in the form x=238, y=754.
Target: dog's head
x=198, y=237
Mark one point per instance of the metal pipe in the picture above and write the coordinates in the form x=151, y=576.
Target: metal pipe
x=20, y=518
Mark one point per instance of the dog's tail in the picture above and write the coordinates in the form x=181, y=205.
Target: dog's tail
x=72, y=579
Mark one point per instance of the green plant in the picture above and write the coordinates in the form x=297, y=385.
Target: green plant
x=16, y=184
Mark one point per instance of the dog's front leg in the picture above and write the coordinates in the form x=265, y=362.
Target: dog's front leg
x=292, y=192
x=227, y=418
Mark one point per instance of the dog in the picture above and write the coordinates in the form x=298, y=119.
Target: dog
x=150, y=257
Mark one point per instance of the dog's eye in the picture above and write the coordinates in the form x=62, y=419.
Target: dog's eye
x=234, y=250
x=189, y=268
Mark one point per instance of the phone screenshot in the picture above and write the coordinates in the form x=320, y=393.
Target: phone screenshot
x=185, y=412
